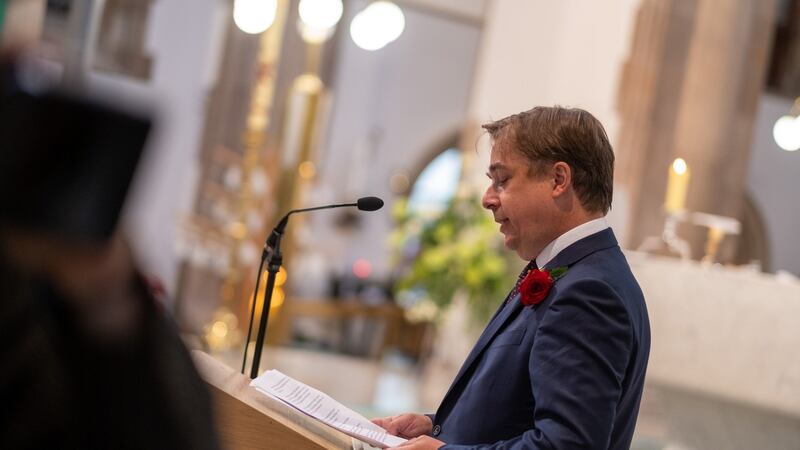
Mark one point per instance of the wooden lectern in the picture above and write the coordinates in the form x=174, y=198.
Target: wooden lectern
x=248, y=419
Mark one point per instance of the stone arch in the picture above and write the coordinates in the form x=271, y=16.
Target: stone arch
x=754, y=242
x=448, y=139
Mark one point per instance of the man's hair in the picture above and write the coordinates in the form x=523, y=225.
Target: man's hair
x=547, y=135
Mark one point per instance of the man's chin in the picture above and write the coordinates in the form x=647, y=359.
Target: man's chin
x=514, y=246
x=511, y=243
x=524, y=256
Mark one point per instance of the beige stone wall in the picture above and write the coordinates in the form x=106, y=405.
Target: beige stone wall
x=541, y=52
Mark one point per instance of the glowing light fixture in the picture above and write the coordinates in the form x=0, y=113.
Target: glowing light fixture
x=787, y=133
x=254, y=16
x=320, y=13
x=377, y=25
x=318, y=19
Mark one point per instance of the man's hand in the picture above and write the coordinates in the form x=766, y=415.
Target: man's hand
x=408, y=425
x=421, y=443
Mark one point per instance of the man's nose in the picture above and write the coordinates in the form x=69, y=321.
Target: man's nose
x=489, y=200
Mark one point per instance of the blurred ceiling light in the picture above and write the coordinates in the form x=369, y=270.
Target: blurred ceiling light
x=254, y=16
x=787, y=133
x=377, y=25
x=318, y=19
x=320, y=13
x=314, y=35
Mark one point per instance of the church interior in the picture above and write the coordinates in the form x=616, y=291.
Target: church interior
x=260, y=107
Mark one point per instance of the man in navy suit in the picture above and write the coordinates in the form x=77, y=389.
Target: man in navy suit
x=562, y=363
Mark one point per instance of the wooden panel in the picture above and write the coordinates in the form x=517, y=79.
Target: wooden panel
x=242, y=427
x=248, y=419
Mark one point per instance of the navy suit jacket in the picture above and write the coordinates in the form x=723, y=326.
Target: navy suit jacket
x=567, y=373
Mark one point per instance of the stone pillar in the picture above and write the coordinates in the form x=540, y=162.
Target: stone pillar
x=690, y=90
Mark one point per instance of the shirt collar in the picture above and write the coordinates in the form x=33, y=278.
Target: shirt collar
x=570, y=237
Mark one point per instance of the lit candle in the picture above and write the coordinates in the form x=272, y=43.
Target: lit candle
x=677, y=186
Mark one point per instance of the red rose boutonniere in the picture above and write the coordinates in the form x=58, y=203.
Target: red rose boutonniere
x=537, y=283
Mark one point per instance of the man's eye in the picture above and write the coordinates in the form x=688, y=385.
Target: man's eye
x=497, y=182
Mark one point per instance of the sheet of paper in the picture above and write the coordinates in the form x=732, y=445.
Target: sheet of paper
x=323, y=408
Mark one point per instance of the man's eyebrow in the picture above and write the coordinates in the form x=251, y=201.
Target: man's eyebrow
x=495, y=167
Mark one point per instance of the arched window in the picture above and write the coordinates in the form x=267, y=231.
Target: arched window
x=437, y=183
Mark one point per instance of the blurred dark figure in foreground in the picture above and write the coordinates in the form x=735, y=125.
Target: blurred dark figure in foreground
x=87, y=357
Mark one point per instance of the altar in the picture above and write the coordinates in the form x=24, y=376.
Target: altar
x=723, y=371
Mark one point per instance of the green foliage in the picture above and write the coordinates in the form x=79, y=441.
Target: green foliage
x=457, y=250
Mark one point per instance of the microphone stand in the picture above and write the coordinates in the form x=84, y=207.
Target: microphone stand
x=274, y=259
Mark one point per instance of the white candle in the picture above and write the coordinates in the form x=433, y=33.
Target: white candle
x=677, y=186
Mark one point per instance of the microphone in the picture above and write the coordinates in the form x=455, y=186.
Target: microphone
x=363, y=204
x=369, y=203
x=272, y=253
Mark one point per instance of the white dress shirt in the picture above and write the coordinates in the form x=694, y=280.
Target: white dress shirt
x=570, y=237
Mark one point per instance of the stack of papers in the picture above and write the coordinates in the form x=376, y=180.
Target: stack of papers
x=323, y=408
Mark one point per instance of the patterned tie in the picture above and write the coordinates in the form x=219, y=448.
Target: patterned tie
x=530, y=266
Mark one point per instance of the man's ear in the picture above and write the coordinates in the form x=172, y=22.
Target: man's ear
x=562, y=178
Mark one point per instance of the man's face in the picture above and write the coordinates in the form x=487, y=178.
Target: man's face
x=521, y=202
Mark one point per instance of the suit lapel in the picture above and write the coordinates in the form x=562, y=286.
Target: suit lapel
x=506, y=312
x=507, y=309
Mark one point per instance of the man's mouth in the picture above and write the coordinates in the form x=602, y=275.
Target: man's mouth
x=502, y=222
